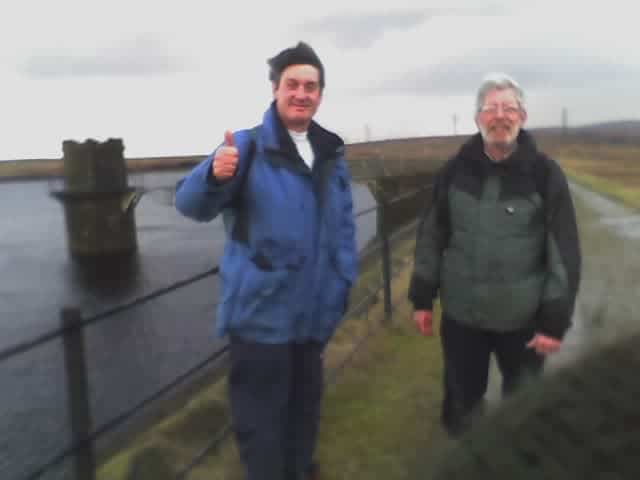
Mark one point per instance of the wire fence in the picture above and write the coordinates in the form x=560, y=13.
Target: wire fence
x=82, y=448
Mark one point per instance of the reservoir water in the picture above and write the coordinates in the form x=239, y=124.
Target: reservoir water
x=130, y=355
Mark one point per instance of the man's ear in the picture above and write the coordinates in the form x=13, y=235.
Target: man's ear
x=523, y=116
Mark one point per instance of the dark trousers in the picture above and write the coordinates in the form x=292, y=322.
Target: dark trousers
x=467, y=351
x=275, y=393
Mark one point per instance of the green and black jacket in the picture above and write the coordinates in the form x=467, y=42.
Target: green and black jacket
x=499, y=242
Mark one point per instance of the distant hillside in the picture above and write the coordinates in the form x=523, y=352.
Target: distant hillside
x=406, y=154
x=622, y=127
x=621, y=131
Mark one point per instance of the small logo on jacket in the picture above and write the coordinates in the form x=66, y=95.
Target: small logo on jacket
x=510, y=210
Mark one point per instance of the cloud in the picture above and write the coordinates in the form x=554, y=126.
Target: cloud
x=143, y=55
x=362, y=30
x=534, y=69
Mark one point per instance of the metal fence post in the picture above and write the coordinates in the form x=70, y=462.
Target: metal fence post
x=78, y=393
x=386, y=256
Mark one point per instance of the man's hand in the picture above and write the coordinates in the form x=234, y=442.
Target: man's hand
x=543, y=344
x=225, y=160
x=424, y=321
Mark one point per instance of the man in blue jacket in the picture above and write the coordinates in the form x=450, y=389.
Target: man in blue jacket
x=287, y=266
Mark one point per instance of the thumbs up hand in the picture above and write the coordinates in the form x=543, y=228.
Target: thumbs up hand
x=225, y=161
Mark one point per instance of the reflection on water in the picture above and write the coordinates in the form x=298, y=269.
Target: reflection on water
x=108, y=277
x=626, y=225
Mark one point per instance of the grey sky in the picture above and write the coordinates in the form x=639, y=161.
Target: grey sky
x=169, y=77
x=536, y=69
x=363, y=29
x=142, y=55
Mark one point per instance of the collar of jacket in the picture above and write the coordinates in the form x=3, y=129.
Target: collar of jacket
x=520, y=160
x=518, y=169
x=325, y=144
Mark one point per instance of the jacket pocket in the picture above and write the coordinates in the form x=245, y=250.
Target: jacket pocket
x=260, y=297
x=252, y=298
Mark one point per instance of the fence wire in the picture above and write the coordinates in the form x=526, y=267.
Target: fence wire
x=125, y=416
x=362, y=306
x=106, y=428
x=59, y=332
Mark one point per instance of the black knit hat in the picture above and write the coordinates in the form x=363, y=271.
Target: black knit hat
x=301, y=54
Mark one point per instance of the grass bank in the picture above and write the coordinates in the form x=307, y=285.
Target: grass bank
x=610, y=188
x=613, y=170
x=379, y=415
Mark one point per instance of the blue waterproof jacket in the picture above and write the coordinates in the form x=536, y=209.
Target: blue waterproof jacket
x=291, y=257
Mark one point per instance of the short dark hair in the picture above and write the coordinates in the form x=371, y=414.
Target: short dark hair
x=301, y=54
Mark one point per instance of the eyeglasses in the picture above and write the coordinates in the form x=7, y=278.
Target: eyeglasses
x=506, y=109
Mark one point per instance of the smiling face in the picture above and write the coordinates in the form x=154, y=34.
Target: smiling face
x=500, y=119
x=298, y=96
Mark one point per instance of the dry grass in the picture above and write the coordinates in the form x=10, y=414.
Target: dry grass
x=410, y=150
x=369, y=427
x=46, y=168
x=30, y=169
x=618, y=163
x=610, y=169
x=406, y=149
x=413, y=151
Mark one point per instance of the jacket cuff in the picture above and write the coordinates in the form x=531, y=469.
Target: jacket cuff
x=422, y=293
x=553, y=319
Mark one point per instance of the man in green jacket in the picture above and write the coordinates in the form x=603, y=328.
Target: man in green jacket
x=499, y=244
